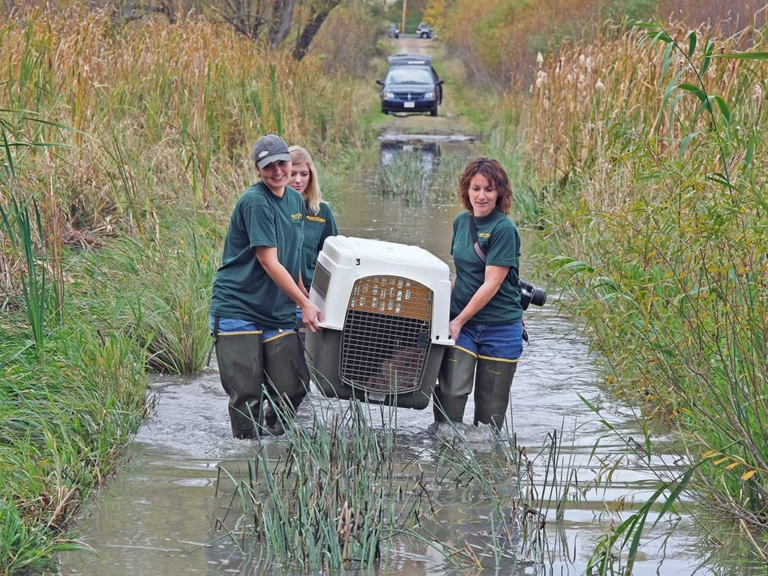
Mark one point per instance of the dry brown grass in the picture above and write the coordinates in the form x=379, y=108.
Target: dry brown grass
x=499, y=39
x=579, y=93
x=155, y=114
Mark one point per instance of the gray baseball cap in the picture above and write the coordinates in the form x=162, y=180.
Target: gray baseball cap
x=270, y=148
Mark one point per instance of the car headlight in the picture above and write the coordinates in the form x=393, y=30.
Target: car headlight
x=388, y=94
x=429, y=95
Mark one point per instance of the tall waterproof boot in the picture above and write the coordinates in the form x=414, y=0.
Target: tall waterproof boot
x=492, y=385
x=241, y=369
x=454, y=383
x=286, y=379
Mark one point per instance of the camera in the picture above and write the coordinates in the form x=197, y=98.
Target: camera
x=530, y=294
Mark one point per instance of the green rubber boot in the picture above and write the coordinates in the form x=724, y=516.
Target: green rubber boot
x=241, y=370
x=286, y=379
x=492, y=385
x=454, y=383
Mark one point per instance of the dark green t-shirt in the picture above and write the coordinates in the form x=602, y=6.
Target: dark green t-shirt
x=317, y=227
x=242, y=289
x=500, y=241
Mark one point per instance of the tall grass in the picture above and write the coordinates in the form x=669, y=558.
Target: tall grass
x=653, y=148
x=20, y=222
x=162, y=113
x=498, y=39
x=22, y=230
x=342, y=494
x=65, y=417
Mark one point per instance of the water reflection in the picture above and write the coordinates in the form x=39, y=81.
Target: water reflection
x=168, y=510
x=427, y=153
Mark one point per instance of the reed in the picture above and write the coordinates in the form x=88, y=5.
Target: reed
x=342, y=494
x=182, y=107
x=20, y=223
x=652, y=143
x=66, y=412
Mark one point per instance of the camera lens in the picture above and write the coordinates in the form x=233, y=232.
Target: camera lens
x=538, y=297
x=530, y=294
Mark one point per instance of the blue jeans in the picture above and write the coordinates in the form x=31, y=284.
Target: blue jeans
x=234, y=325
x=496, y=341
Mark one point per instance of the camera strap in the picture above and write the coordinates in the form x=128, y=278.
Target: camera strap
x=481, y=255
x=473, y=232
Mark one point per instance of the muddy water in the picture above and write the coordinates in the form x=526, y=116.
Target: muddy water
x=159, y=514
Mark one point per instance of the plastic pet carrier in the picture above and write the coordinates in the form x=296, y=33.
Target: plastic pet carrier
x=385, y=321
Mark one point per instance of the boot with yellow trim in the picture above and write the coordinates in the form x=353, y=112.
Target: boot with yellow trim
x=287, y=380
x=454, y=383
x=241, y=370
x=492, y=385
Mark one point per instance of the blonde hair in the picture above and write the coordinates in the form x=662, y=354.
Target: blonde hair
x=300, y=155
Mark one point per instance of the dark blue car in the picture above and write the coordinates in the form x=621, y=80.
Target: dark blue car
x=411, y=86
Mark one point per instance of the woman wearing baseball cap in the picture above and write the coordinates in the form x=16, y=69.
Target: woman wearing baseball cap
x=255, y=294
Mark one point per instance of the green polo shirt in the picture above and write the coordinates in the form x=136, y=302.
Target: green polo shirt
x=500, y=241
x=242, y=289
x=317, y=227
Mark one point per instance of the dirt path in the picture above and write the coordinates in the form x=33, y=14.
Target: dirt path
x=448, y=121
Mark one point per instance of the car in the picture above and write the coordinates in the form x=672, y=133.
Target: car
x=411, y=87
x=404, y=59
x=424, y=31
x=394, y=31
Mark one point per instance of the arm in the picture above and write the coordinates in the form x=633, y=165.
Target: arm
x=267, y=256
x=494, y=276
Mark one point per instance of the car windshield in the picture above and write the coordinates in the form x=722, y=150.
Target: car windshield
x=409, y=75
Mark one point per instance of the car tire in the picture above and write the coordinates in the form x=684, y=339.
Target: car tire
x=424, y=35
x=433, y=112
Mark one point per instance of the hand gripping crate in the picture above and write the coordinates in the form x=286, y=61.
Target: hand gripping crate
x=386, y=309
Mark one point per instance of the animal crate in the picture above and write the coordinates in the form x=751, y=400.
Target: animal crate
x=385, y=311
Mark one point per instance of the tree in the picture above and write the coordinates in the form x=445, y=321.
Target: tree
x=282, y=17
x=319, y=12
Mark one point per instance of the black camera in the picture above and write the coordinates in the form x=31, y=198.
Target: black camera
x=530, y=294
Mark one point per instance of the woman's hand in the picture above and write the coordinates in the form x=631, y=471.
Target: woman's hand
x=311, y=316
x=454, y=328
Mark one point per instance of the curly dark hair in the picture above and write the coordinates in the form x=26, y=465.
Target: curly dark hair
x=496, y=175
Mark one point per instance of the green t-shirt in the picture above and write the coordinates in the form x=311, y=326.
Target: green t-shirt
x=500, y=241
x=317, y=227
x=242, y=289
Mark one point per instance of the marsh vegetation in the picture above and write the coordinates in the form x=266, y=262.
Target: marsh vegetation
x=122, y=145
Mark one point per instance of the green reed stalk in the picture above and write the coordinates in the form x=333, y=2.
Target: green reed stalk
x=20, y=222
x=667, y=256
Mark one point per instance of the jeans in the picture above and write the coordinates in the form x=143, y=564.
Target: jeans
x=497, y=341
x=234, y=325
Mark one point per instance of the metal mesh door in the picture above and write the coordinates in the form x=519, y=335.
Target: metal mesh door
x=386, y=335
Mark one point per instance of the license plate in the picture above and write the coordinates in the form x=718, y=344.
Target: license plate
x=409, y=104
x=376, y=397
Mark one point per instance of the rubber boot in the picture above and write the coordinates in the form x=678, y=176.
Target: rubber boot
x=492, y=385
x=241, y=370
x=454, y=383
x=286, y=379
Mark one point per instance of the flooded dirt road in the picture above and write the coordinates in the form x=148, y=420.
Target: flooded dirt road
x=161, y=514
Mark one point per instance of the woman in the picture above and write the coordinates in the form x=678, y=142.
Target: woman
x=319, y=222
x=255, y=294
x=486, y=310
